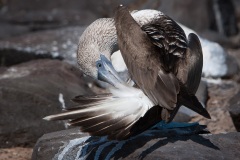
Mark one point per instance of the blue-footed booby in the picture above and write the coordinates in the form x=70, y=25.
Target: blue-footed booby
x=165, y=66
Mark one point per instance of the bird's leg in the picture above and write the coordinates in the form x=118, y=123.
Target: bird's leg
x=107, y=73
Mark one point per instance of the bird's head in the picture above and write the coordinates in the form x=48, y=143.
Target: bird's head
x=95, y=47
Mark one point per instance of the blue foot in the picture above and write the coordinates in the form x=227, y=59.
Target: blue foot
x=163, y=125
x=177, y=128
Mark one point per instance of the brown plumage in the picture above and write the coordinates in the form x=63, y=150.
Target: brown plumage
x=162, y=62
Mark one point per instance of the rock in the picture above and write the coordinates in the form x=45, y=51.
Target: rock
x=37, y=15
x=219, y=94
x=218, y=15
x=237, y=9
x=224, y=17
x=236, y=54
x=19, y=153
x=152, y=144
x=59, y=44
x=41, y=15
x=184, y=114
x=234, y=110
x=9, y=30
x=186, y=12
x=225, y=42
x=31, y=91
x=202, y=92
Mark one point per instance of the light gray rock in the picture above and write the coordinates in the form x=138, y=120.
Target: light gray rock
x=31, y=91
x=152, y=144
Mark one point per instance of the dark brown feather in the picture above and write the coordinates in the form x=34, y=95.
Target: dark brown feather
x=151, y=117
x=143, y=60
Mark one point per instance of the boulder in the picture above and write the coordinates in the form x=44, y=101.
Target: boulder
x=31, y=91
x=35, y=15
x=234, y=110
x=216, y=15
x=57, y=44
x=225, y=17
x=237, y=9
x=186, y=12
x=152, y=144
x=219, y=94
x=10, y=30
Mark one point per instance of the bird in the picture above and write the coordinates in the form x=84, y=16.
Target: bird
x=163, y=63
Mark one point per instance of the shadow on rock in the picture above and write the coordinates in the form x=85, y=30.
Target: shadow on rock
x=101, y=148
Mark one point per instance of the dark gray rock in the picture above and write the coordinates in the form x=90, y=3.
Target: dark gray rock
x=35, y=15
x=185, y=12
x=217, y=15
x=40, y=15
x=31, y=91
x=10, y=30
x=237, y=9
x=234, y=110
x=152, y=144
x=225, y=17
x=59, y=44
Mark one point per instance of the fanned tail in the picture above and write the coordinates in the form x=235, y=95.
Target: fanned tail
x=104, y=115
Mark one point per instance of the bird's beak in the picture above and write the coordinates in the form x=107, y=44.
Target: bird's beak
x=107, y=73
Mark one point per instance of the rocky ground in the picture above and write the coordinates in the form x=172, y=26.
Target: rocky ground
x=220, y=93
x=39, y=75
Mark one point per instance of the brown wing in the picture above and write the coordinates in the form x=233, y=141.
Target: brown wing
x=190, y=68
x=162, y=62
x=144, y=60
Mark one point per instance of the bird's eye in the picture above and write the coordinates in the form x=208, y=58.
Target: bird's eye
x=99, y=65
